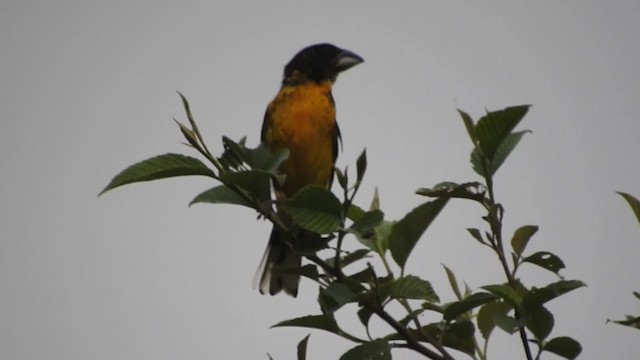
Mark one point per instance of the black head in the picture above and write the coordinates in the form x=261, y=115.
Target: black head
x=319, y=63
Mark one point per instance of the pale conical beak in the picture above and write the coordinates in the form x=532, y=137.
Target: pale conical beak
x=346, y=60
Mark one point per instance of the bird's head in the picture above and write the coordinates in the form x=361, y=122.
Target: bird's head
x=319, y=63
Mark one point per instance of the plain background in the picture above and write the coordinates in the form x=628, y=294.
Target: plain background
x=89, y=87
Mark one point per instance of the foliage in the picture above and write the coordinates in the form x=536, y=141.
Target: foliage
x=630, y=320
x=464, y=322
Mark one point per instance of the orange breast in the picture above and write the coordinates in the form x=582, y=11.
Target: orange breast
x=302, y=119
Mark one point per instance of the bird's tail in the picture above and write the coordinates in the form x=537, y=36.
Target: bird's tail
x=279, y=254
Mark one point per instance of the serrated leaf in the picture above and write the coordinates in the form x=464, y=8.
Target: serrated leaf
x=453, y=282
x=302, y=348
x=220, y=195
x=314, y=209
x=471, y=302
x=159, y=167
x=377, y=349
x=486, y=316
x=633, y=202
x=521, y=238
x=504, y=292
x=538, y=297
x=449, y=190
x=469, y=125
x=505, y=148
x=546, y=260
x=361, y=165
x=564, y=346
x=412, y=287
x=540, y=322
x=322, y=322
x=406, y=232
x=493, y=128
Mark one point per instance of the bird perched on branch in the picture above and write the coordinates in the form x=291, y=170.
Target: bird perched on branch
x=302, y=119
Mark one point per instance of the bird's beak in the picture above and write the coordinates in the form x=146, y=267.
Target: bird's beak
x=347, y=59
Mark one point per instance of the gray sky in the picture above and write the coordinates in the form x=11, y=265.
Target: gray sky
x=88, y=88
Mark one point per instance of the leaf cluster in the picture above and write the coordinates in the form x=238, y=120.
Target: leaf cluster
x=465, y=324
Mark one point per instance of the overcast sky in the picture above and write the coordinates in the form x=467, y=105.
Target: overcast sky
x=88, y=88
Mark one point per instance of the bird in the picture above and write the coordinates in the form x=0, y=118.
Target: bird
x=301, y=118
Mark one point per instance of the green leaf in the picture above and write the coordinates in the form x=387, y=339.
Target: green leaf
x=477, y=162
x=256, y=183
x=564, y=346
x=458, y=335
x=361, y=165
x=406, y=232
x=540, y=322
x=458, y=308
x=631, y=321
x=343, y=178
x=634, y=203
x=189, y=135
x=354, y=213
x=504, y=292
x=349, y=258
x=546, y=260
x=507, y=323
x=487, y=315
x=314, y=209
x=366, y=224
x=302, y=348
x=377, y=349
x=412, y=287
x=476, y=235
x=220, y=195
x=322, y=322
x=338, y=294
x=159, y=167
x=262, y=158
x=493, y=128
x=537, y=297
x=453, y=282
x=382, y=232
x=471, y=190
x=521, y=238
x=505, y=148
x=235, y=155
x=364, y=314
x=469, y=125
